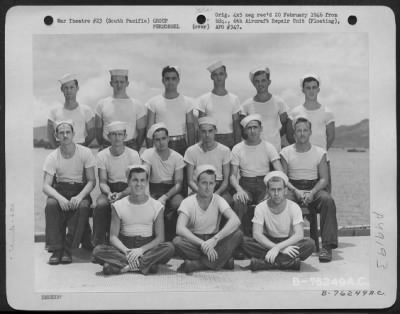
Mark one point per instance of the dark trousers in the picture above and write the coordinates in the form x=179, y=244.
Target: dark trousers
x=159, y=254
x=256, y=190
x=224, y=248
x=254, y=249
x=226, y=139
x=323, y=204
x=102, y=215
x=57, y=220
x=171, y=207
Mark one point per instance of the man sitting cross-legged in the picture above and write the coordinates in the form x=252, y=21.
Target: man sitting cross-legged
x=136, y=232
x=199, y=240
x=278, y=237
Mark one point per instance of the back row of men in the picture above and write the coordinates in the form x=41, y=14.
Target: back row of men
x=177, y=111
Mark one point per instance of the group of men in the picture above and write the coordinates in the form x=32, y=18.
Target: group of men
x=206, y=202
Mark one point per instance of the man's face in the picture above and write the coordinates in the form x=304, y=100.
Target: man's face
x=170, y=80
x=277, y=191
x=207, y=133
x=302, y=132
x=119, y=83
x=311, y=90
x=219, y=76
x=117, y=137
x=261, y=82
x=69, y=89
x=65, y=134
x=206, y=184
x=253, y=130
x=137, y=183
x=160, y=140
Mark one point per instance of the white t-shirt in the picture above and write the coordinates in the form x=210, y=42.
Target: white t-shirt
x=172, y=112
x=303, y=165
x=137, y=219
x=116, y=166
x=319, y=119
x=278, y=225
x=80, y=115
x=221, y=108
x=127, y=110
x=270, y=112
x=162, y=170
x=219, y=156
x=203, y=221
x=71, y=169
x=253, y=160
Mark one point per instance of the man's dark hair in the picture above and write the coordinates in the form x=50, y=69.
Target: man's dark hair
x=261, y=72
x=72, y=127
x=137, y=170
x=300, y=120
x=168, y=69
x=310, y=79
x=210, y=172
x=161, y=129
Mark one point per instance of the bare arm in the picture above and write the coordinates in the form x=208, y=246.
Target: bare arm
x=51, y=134
x=191, y=132
x=103, y=182
x=258, y=235
x=323, y=176
x=114, y=232
x=237, y=130
x=284, y=120
x=189, y=174
x=49, y=190
x=330, y=134
x=158, y=232
x=234, y=178
x=140, y=132
x=178, y=179
x=294, y=238
x=225, y=182
x=90, y=130
x=230, y=226
x=290, y=132
x=277, y=165
x=99, y=129
x=183, y=231
x=151, y=119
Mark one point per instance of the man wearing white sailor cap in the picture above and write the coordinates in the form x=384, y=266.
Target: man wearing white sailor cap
x=173, y=109
x=272, y=108
x=112, y=163
x=136, y=231
x=221, y=105
x=68, y=180
x=200, y=241
x=209, y=151
x=278, y=230
x=121, y=107
x=80, y=114
x=166, y=175
x=251, y=159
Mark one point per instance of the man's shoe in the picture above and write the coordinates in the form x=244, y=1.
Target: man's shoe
x=153, y=269
x=189, y=266
x=260, y=264
x=239, y=254
x=66, y=257
x=325, y=255
x=55, y=258
x=109, y=269
x=292, y=265
x=230, y=264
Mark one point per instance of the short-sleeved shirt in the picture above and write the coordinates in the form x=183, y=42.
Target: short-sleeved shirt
x=319, y=119
x=203, y=221
x=116, y=166
x=172, y=112
x=221, y=108
x=218, y=157
x=127, y=110
x=137, y=219
x=270, y=112
x=162, y=170
x=278, y=225
x=253, y=160
x=71, y=169
x=81, y=115
x=303, y=165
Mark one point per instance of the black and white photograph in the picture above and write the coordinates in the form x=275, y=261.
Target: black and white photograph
x=173, y=164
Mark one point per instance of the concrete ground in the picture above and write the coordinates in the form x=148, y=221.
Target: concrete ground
x=348, y=270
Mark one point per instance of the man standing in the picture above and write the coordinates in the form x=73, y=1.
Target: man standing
x=307, y=170
x=173, y=109
x=121, y=107
x=81, y=115
x=273, y=110
x=112, y=163
x=278, y=235
x=68, y=180
x=200, y=241
x=208, y=151
x=166, y=175
x=221, y=105
x=251, y=159
x=136, y=232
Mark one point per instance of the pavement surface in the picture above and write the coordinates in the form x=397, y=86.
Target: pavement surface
x=349, y=269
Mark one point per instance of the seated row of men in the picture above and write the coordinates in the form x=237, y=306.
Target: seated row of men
x=69, y=178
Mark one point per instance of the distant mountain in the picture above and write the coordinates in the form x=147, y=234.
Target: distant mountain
x=356, y=135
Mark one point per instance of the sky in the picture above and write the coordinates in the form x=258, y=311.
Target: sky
x=340, y=59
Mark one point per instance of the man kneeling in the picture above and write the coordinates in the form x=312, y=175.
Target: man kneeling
x=199, y=240
x=278, y=237
x=134, y=247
